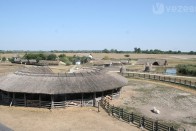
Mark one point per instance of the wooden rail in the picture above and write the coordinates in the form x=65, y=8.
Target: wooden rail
x=164, y=78
x=140, y=121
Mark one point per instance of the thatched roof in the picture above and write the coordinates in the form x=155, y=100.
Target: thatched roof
x=49, y=83
x=159, y=62
x=47, y=62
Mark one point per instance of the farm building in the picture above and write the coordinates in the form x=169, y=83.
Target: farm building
x=40, y=87
x=155, y=62
x=104, y=63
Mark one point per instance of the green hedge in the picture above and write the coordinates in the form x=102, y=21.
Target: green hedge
x=186, y=69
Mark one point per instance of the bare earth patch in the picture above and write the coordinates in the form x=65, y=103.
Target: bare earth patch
x=69, y=119
x=177, y=107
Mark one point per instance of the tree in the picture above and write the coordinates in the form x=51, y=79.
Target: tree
x=51, y=57
x=105, y=51
x=137, y=50
x=3, y=59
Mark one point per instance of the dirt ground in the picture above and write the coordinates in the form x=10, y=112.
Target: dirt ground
x=69, y=119
x=177, y=106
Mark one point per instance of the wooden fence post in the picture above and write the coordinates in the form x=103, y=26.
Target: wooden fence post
x=119, y=113
x=122, y=113
x=156, y=126
x=143, y=122
x=13, y=99
x=172, y=128
x=129, y=120
x=132, y=117
x=153, y=128
x=98, y=106
x=113, y=110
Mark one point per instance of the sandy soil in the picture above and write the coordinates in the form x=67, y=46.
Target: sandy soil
x=69, y=119
x=177, y=106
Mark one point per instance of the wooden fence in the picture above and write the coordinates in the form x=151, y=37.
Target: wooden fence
x=171, y=79
x=138, y=120
x=44, y=104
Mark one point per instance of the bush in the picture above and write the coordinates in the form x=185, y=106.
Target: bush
x=3, y=59
x=186, y=70
x=126, y=55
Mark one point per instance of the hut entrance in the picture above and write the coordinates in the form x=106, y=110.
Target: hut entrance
x=155, y=63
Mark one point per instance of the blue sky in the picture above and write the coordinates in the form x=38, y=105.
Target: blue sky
x=97, y=24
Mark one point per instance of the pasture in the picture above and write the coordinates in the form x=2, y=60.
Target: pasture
x=177, y=106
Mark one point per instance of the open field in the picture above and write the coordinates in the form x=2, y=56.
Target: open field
x=173, y=59
x=69, y=119
x=9, y=67
x=177, y=106
x=120, y=56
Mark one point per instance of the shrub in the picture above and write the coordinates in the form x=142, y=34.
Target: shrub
x=186, y=69
x=126, y=55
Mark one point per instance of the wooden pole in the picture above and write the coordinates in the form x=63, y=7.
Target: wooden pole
x=94, y=99
x=13, y=99
x=102, y=94
x=82, y=100
x=25, y=100
x=40, y=99
x=52, y=101
x=112, y=94
x=132, y=117
x=98, y=106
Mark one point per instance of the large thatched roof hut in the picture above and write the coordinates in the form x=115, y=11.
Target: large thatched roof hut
x=39, y=86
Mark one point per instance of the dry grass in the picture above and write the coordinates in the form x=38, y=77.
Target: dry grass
x=176, y=104
x=9, y=67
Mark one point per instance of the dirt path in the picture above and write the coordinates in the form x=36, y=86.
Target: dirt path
x=69, y=119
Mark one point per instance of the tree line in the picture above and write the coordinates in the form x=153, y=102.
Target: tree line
x=136, y=50
x=68, y=60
